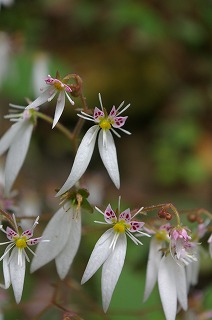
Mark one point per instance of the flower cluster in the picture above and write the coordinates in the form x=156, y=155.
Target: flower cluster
x=174, y=252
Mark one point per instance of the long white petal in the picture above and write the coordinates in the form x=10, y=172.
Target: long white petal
x=99, y=254
x=41, y=99
x=9, y=136
x=17, y=273
x=111, y=270
x=57, y=231
x=59, y=108
x=66, y=256
x=17, y=154
x=6, y=270
x=109, y=156
x=167, y=288
x=192, y=273
x=152, y=266
x=82, y=159
x=181, y=285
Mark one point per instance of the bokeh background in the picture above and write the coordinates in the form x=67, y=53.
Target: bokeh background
x=155, y=55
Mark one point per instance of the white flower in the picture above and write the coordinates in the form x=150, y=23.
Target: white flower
x=16, y=140
x=14, y=263
x=110, y=250
x=182, y=249
x=64, y=233
x=171, y=276
x=107, y=149
x=56, y=86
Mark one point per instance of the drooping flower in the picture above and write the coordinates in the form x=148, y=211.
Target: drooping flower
x=104, y=124
x=170, y=275
x=14, y=263
x=181, y=247
x=64, y=233
x=16, y=140
x=110, y=250
x=56, y=85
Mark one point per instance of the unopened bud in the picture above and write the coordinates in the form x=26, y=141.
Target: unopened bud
x=168, y=216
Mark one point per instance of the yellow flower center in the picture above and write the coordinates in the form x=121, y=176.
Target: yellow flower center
x=161, y=235
x=59, y=85
x=21, y=243
x=105, y=124
x=120, y=226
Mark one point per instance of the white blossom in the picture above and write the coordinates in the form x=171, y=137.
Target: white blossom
x=15, y=255
x=171, y=276
x=64, y=233
x=110, y=250
x=104, y=124
x=16, y=140
x=56, y=86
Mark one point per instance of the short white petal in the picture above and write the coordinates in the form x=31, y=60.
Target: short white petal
x=17, y=273
x=167, y=288
x=57, y=231
x=181, y=285
x=109, y=157
x=99, y=254
x=152, y=266
x=17, y=154
x=41, y=99
x=66, y=256
x=9, y=136
x=59, y=107
x=111, y=270
x=82, y=159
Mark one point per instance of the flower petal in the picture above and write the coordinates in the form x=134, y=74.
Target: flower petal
x=111, y=270
x=82, y=159
x=17, y=154
x=59, y=108
x=167, y=288
x=125, y=215
x=66, y=256
x=9, y=136
x=6, y=270
x=98, y=114
x=99, y=254
x=10, y=233
x=152, y=266
x=119, y=121
x=192, y=272
x=136, y=226
x=17, y=273
x=42, y=98
x=57, y=231
x=109, y=157
x=180, y=283
x=110, y=215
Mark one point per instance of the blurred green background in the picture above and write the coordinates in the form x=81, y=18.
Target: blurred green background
x=155, y=55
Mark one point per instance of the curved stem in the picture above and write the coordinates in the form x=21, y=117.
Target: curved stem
x=164, y=206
